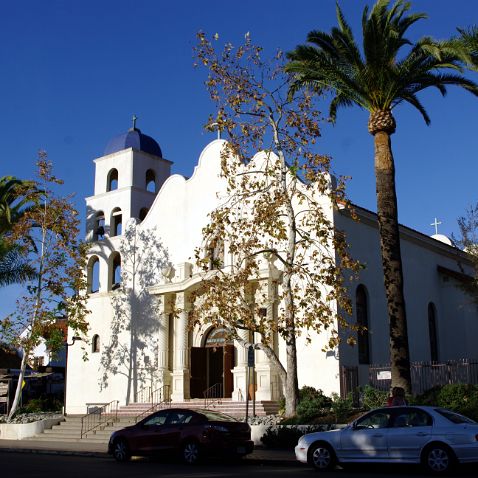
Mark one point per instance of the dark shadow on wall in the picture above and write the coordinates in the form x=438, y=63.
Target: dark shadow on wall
x=131, y=350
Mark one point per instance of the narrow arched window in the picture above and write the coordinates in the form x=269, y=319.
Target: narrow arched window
x=143, y=213
x=112, y=181
x=93, y=277
x=150, y=181
x=95, y=344
x=433, y=332
x=363, y=339
x=115, y=271
x=99, y=227
x=116, y=222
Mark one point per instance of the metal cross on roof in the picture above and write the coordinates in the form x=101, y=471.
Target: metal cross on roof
x=134, y=121
x=436, y=223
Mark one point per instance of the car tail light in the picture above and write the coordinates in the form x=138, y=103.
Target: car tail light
x=476, y=437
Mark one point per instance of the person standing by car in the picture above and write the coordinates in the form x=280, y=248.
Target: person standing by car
x=397, y=398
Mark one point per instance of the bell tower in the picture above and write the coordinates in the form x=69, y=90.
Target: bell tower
x=127, y=179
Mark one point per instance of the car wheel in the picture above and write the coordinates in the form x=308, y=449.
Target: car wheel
x=191, y=453
x=121, y=451
x=438, y=459
x=322, y=457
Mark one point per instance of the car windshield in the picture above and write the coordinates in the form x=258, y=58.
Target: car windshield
x=453, y=417
x=217, y=417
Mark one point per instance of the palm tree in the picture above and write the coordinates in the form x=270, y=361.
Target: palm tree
x=468, y=41
x=15, y=200
x=378, y=80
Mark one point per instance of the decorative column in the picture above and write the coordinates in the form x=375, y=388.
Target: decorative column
x=165, y=309
x=181, y=375
x=266, y=376
x=240, y=370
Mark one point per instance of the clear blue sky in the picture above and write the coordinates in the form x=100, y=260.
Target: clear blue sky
x=74, y=72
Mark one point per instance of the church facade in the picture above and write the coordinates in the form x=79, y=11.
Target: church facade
x=144, y=224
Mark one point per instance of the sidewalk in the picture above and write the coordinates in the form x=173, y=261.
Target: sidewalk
x=260, y=455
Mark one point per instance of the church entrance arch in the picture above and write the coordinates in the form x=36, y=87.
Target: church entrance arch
x=212, y=364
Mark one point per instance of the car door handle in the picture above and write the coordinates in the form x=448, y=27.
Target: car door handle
x=422, y=434
x=378, y=435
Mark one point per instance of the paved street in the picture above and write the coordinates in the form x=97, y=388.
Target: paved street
x=32, y=465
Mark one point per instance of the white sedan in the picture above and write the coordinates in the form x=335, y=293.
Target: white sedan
x=435, y=437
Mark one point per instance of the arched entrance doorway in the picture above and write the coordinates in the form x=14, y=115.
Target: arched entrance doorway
x=212, y=364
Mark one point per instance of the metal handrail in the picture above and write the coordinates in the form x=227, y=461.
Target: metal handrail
x=161, y=397
x=212, y=394
x=145, y=395
x=99, y=416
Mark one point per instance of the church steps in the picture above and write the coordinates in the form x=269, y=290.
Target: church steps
x=227, y=406
x=69, y=430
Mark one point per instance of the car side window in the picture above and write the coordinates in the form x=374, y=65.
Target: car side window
x=419, y=418
x=156, y=420
x=178, y=418
x=379, y=419
x=412, y=418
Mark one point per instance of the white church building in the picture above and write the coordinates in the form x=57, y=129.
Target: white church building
x=135, y=341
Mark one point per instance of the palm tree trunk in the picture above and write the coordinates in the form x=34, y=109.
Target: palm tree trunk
x=391, y=260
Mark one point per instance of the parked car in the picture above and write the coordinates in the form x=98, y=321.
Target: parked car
x=435, y=437
x=191, y=434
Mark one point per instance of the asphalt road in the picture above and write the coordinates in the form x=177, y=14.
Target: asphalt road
x=28, y=465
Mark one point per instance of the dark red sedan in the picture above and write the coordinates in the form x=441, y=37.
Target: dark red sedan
x=192, y=434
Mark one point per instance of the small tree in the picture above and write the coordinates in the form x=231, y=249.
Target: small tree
x=49, y=232
x=275, y=216
x=135, y=317
x=468, y=241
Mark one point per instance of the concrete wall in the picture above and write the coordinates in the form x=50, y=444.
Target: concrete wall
x=18, y=431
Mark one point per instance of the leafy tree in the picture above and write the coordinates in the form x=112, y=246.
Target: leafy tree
x=49, y=232
x=378, y=79
x=134, y=311
x=275, y=216
x=15, y=200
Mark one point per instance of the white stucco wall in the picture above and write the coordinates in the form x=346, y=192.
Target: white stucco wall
x=456, y=313
x=176, y=218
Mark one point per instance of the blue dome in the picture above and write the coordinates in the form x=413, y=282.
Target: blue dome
x=133, y=138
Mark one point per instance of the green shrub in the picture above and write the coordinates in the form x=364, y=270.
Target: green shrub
x=373, y=398
x=312, y=403
x=459, y=397
x=307, y=393
x=43, y=404
x=284, y=437
x=342, y=407
x=428, y=398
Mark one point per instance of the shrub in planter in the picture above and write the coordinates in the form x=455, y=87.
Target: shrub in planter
x=459, y=397
x=342, y=407
x=312, y=403
x=44, y=404
x=373, y=398
x=429, y=398
x=284, y=437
